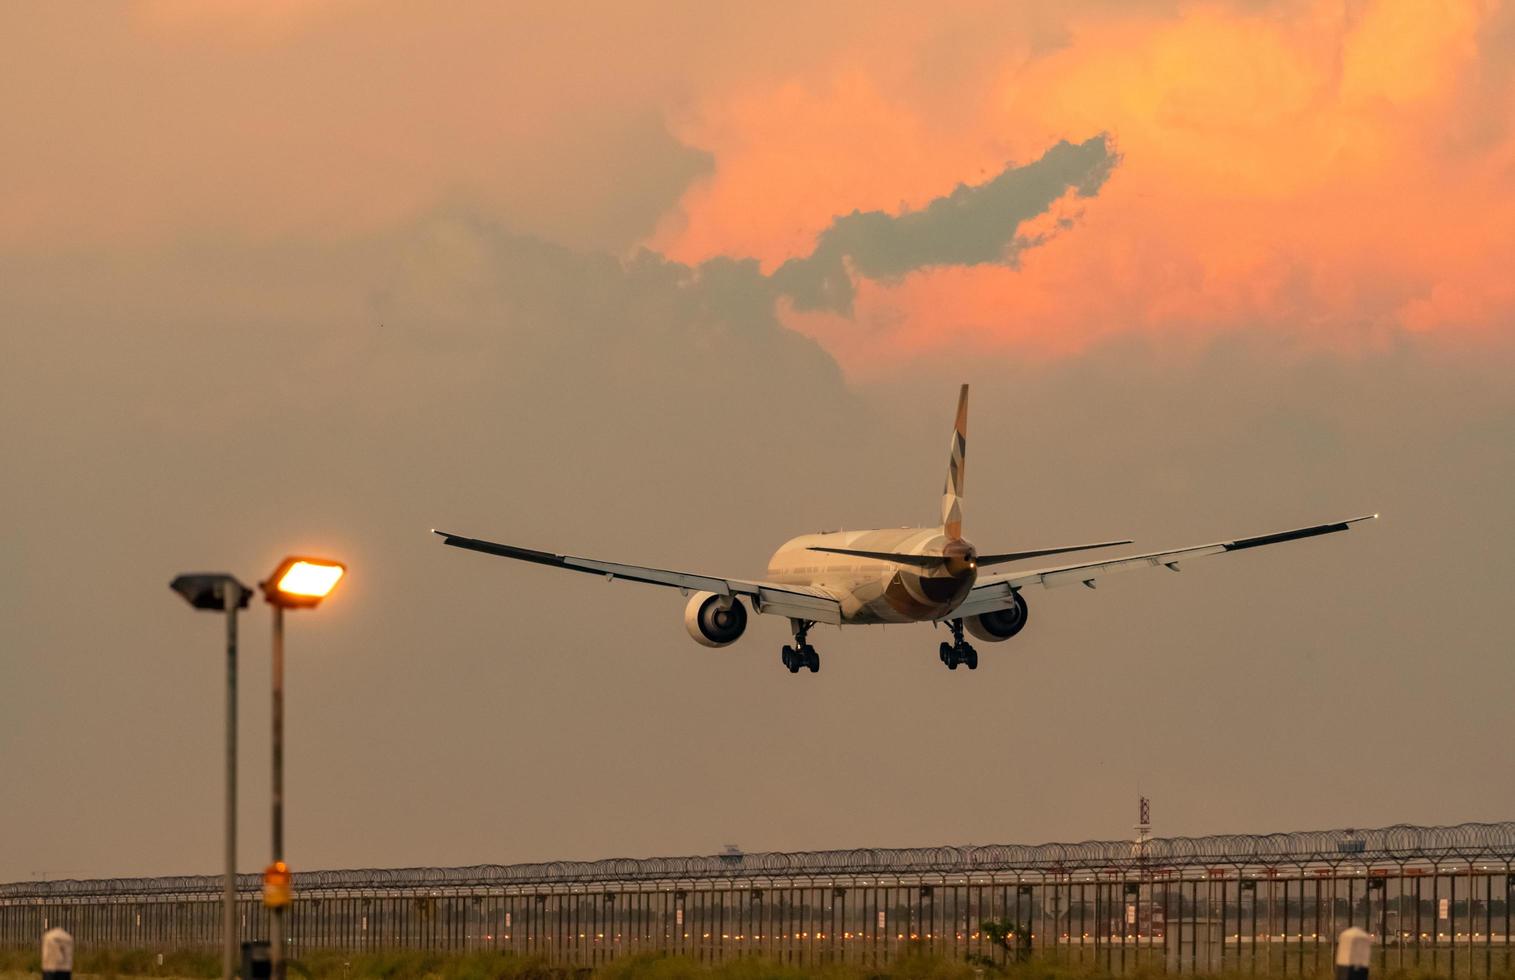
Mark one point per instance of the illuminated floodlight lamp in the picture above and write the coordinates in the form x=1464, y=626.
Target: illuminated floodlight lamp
x=299, y=582
x=302, y=582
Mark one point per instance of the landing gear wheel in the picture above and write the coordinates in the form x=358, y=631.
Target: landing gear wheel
x=959, y=651
x=801, y=654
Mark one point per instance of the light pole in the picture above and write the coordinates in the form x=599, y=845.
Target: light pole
x=297, y=583
x=219, y=591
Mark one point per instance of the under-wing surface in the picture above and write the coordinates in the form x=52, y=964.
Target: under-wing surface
x=893, y=575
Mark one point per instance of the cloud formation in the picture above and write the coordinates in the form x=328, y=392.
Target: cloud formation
x=973, y=225
x=1340, y=175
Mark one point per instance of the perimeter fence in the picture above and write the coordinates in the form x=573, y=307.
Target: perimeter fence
x=1434, y=898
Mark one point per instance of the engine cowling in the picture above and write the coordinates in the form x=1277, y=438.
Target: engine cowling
x=1000, y=624
x=715, y=620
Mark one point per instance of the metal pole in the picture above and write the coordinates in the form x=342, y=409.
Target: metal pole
x=229, y=922
x=276, y=922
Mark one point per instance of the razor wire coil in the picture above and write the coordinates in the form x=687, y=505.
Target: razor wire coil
x=1398, y=845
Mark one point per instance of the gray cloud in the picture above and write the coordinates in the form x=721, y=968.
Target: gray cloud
x=974, y=225
x=631, y=172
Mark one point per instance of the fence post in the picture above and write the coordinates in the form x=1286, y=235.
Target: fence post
x=1354, y=953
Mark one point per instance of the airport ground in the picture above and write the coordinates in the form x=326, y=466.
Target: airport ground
x=420, y=965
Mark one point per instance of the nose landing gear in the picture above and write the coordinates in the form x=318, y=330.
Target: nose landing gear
x=959, y=651
x=802, y=654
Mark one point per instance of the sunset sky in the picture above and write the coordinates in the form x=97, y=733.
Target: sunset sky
x=1338, y=172
x=284, y=276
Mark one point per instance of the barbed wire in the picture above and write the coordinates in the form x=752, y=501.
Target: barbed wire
x=1399, y=845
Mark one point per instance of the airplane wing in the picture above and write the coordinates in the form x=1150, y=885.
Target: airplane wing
x=996, y=592
x=795, y=601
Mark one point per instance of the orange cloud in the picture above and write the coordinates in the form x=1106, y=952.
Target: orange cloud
x=1307, y=168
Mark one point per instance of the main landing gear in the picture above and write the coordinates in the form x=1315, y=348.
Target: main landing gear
x=802, y=654
x=959, y=651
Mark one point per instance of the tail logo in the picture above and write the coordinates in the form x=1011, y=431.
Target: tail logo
x=952, y=493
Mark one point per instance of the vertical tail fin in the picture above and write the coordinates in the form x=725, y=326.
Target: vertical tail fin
x=952, y=493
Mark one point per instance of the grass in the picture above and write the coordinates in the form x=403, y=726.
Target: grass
x=116, y=963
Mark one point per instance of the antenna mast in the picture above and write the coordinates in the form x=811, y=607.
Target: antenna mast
x=1143, y=830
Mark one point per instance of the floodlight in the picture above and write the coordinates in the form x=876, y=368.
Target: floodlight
x=299, y=582
x=208, y=590
x=302, y=582
x=220, y=592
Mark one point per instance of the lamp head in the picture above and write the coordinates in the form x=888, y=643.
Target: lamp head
x=208, y=590
x=301, y=582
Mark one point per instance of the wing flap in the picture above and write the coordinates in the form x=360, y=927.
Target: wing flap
x=1075, y=574
x=651, y=576
x=817, y=608
x=986, y=597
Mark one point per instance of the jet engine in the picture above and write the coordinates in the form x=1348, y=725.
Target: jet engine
x=715, y=620
x=1000, y=624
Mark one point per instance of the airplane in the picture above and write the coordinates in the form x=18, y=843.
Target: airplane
x=894, y=575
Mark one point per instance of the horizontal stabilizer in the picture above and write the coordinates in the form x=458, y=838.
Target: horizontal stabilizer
x=922, y=561
x=1018, y=555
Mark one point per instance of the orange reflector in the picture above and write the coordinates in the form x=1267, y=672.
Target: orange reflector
x=278, y=889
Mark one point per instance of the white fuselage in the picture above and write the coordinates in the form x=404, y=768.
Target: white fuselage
x=876, y=590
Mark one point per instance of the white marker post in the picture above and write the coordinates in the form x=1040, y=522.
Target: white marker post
x=1354, y=954
x=57, y=954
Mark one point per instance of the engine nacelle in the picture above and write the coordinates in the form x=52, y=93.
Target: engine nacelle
x=715, y=620
x=1000, y=624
